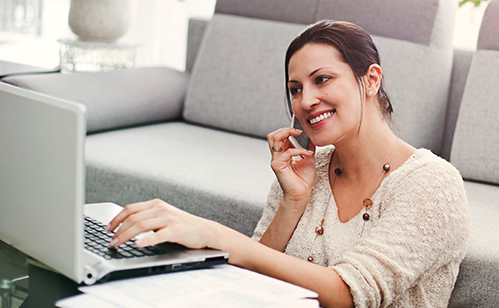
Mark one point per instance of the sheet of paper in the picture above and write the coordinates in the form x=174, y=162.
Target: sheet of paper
x=220, y=286
x=84, y=301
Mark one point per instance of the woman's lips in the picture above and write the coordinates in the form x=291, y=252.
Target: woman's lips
x=318, y=118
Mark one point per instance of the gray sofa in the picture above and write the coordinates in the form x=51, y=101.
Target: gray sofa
x=197, y=138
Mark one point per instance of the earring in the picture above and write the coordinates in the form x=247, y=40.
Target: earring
x=370, y=92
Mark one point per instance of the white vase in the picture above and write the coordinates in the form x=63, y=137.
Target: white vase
x=99, y=20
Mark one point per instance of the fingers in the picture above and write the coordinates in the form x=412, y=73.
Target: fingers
x=125, y=213
x=278, y=140
x=136, y=219
x=154, y=239
x=288, y=156
x=134, y=226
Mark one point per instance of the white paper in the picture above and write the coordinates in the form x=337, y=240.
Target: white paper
x=220, y=286
x=84, y=301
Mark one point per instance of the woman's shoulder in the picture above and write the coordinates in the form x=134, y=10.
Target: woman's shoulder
x=426, y=172
x=425, y=162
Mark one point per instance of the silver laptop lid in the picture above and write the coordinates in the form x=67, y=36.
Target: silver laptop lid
x=42, y=177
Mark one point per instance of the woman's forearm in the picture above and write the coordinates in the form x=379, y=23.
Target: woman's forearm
x=282, y=226
x=246, y=253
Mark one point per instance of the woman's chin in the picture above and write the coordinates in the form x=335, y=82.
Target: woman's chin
x=321, y=143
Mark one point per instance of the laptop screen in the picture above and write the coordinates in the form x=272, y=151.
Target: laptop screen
x=42, y=177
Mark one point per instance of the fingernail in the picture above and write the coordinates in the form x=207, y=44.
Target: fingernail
x=138, y=243
x=113, y=243
x=298, y=130
x=108, y=228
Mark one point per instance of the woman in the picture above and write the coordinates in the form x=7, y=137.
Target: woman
x=364, y=220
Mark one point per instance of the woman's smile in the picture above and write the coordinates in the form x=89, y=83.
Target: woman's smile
x=319, y=118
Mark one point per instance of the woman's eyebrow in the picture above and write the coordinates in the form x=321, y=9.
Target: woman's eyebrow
x=311, y=74
x=314, y=72
x=320, y=68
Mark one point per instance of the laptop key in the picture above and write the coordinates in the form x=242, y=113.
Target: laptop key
x=97, y=240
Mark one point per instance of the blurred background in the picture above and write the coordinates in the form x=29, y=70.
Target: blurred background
x=30, y=30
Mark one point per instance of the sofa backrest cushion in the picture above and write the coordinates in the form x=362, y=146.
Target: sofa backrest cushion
x=237, y=80
x=117, y=98
x=476, y=138
x=488, y=37
x=408, y=20
x=292, y=11
x=460, y=68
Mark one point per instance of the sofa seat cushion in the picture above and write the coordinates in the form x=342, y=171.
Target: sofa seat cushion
x=210, y=173
x=476, y=285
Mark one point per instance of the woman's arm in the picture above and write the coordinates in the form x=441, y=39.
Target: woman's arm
x=296, y=178
x=174, y=225
x=280, y=230
x=246, y=253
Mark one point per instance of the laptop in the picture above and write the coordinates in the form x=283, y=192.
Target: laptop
x=42, y=195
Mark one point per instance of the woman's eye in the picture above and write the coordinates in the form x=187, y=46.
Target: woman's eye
x=321, y=79
x=294, y=91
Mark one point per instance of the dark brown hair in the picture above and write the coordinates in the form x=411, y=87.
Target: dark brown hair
x=355, y=46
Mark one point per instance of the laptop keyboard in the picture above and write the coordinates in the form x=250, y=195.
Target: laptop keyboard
x=97, y=240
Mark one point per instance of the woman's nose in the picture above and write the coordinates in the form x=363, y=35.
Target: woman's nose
x=310, y=98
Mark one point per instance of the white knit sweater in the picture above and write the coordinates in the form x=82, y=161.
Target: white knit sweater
x=412, y=245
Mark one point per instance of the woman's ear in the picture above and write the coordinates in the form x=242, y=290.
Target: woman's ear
x=373, y=80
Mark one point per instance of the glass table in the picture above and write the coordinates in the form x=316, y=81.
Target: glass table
x=24, y=283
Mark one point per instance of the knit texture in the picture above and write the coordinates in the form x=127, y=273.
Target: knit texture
x=408, y=253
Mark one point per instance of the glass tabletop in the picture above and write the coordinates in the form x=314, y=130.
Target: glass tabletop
x=26, y=283
x=14, y=277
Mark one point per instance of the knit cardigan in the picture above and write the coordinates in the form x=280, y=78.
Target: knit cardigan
x=408, y=253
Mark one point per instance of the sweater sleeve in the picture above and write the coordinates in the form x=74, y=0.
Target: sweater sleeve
x=274, y=198
x=420, y=230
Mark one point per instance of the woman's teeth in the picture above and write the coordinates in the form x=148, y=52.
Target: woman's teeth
x=321, y=117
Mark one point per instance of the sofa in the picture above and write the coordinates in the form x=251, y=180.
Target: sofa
x=196, y=139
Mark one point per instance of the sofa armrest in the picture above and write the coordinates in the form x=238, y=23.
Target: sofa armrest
x=117, y=98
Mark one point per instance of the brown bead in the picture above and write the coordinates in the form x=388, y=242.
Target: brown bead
x=386, y=167
x=310, y=259
x=319, y=230
x=368, y=203
x=365, y=216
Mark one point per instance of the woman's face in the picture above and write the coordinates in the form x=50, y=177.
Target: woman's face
x=324, y=94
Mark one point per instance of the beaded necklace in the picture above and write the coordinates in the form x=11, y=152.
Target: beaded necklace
x=367, y=202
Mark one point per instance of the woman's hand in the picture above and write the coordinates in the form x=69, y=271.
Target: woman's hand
x=296, y=177
x=169, y=224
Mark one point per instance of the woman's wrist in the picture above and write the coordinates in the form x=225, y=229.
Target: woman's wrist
x=216, y=233
x=292, y=206
x=283, y=225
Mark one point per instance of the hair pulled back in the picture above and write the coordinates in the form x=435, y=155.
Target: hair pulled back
x=355, y=46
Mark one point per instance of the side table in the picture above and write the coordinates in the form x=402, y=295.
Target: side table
x=80, y=56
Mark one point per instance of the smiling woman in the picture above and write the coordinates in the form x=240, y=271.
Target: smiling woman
x=363, y=205
x=363, y=218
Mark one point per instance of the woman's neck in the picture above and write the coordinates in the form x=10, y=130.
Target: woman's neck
x=365, y=154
